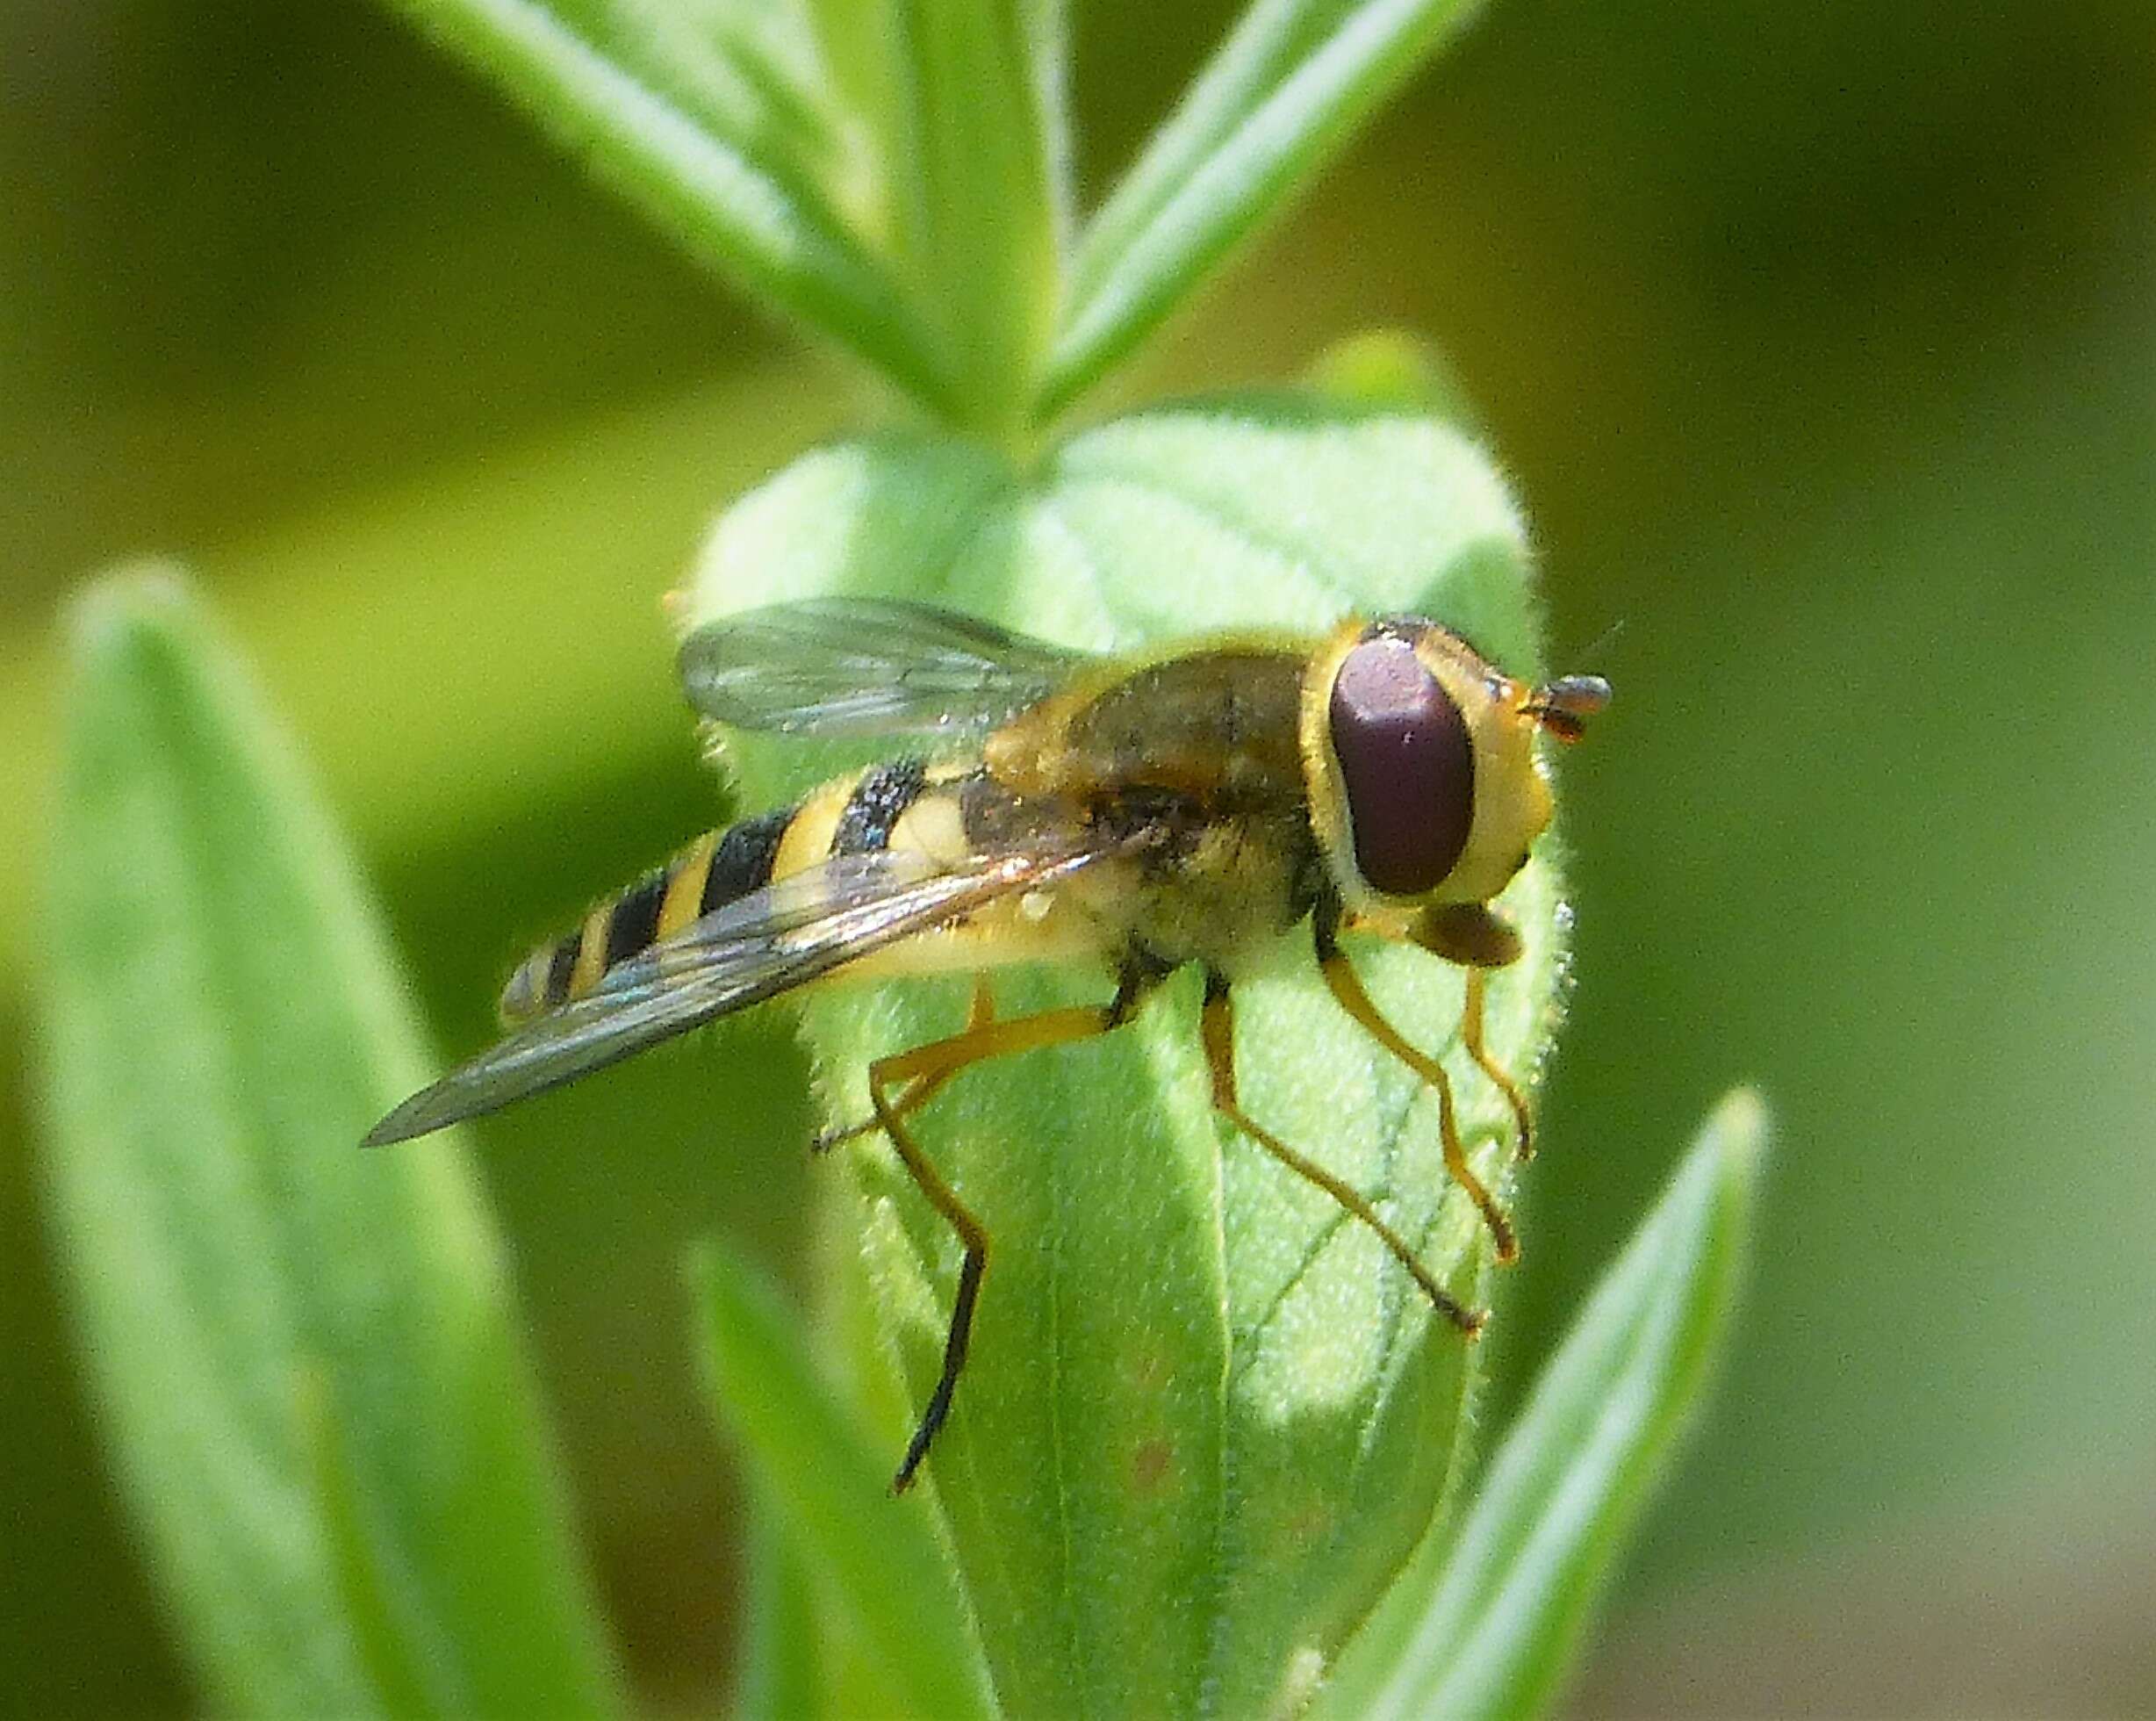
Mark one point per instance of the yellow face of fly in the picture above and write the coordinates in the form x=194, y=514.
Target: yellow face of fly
x=1425, y=784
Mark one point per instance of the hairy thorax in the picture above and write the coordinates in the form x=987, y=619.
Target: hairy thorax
x=1196, y=761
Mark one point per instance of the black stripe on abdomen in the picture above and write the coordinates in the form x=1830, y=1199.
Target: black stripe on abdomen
x=561, y=968
x=741, y=862
x=634, y=922
x=878, y=801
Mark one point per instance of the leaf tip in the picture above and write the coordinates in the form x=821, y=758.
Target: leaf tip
x=1396, y=369
x=125, y=605
x=1740, y=1127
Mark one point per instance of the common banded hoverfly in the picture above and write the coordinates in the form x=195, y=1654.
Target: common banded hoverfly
x=1188, y=805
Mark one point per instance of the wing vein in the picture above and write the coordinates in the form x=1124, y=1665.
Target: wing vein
x=841, y=666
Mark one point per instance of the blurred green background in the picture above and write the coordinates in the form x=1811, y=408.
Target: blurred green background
x=1821, y=343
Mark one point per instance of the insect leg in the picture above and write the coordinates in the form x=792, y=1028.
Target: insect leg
x=1473, y=937
x=1346, y=987
x=1217, y=1028
x=1471, y=1037
x=931, y=1066
x=978, y=1014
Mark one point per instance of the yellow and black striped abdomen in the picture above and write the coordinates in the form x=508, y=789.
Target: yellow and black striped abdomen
x=720, y=867
x=944, y=811
x=853, y=814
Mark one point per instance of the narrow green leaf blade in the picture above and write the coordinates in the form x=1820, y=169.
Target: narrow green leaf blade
x=303, y=1358
x=1280, y=100
x=1270, y=39
x=777, y=1676
x=713, y=161
x=981, y=77
x=1485, y=1621
x=394, y=1653
x=875, y=1555
x=747, y=70
x=1047, y=32
x=1205, y=1423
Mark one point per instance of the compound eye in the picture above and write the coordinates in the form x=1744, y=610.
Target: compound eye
x=1407, y=767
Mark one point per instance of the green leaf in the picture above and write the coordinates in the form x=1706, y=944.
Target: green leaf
x=777, y=1677
x=875, y=1557
x=1394, y=368
x=1485, y=1621
x=1206, y=1418
x=392, y=1649
x=1047, y=31
x=978, y=146
x=1280, y=100
x=305, y=1358
x=718, y=121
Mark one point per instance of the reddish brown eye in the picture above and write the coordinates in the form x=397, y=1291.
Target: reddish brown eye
x=1407, y=765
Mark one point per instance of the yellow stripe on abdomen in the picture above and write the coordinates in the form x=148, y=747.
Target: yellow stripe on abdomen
x=592, y=952
x=684, y=900
x=807, y=839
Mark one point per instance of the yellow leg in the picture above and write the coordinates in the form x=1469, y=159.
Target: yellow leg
x=1346, y=987
x=1471, y=1037
x=1217, y=1026
x=930, y=1067
x=979, y=1013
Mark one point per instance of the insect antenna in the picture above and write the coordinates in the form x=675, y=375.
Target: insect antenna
x=1563, y=705
x=1599, y=645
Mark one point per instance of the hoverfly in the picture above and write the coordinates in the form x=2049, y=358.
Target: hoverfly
x=1185, y=805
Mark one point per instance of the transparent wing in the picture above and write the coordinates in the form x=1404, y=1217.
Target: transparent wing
x=867, y=666
x=772, y=941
